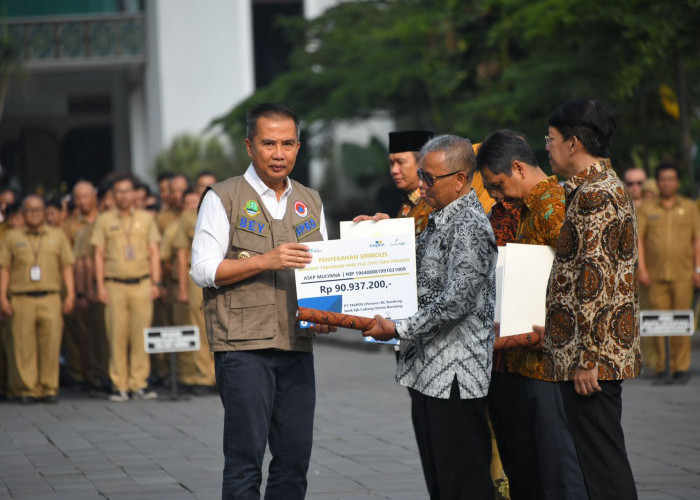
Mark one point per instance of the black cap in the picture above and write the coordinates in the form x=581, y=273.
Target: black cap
x=408, y=140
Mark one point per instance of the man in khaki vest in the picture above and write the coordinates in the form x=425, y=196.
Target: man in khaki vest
x=127, y=273
x=248, y=240
x=35, y=260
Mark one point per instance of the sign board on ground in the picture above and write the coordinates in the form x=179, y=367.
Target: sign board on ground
x=665, y=323
x=171, y=338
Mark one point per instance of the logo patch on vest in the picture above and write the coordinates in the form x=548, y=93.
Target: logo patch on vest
x=252, y=226
x=243, y=255
x=252, y=208
x=306, y=227
x=300, y=208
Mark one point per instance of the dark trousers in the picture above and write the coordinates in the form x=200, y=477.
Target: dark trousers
x=536, y=447
x=269, y=396
x=596, y=427
x=454, y=444
x=514, y=428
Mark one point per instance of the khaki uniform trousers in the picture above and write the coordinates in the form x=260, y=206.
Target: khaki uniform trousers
x=197, y=367
x=672, y=295
x=650, y=349
x=128, y=313
x=37, y=325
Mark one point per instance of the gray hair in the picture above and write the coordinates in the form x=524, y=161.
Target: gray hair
x=459, y=153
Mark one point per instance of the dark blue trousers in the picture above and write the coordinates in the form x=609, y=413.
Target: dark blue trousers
x=269, y=397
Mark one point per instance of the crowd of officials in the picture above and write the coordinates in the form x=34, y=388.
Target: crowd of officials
x=119, y=263
x=82, y=275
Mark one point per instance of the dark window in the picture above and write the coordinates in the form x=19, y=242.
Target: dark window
x=271, y=47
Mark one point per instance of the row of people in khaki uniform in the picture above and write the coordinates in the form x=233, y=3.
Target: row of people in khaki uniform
x=113, y=274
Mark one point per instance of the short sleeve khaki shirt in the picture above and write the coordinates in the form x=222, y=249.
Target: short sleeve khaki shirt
x=125, y=241
x=668, y=236
x=48, y=250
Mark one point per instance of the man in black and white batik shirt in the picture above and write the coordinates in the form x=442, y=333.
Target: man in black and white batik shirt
x=447, y=346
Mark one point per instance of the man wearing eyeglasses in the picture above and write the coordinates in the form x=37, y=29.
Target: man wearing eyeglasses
x=447, y=346
x=634, y=180
x=591, y=335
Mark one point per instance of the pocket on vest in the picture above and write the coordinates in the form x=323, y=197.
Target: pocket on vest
x=253, y=315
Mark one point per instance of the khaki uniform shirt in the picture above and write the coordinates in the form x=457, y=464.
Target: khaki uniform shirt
x=168, y=253
x=415, y=206
x=82, y=246
x=668, y=236
x=73, y=226
x=116, y=233
x=48, y=249
x=164, y=219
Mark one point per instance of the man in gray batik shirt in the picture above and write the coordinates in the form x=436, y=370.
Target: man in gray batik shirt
x=447, y=346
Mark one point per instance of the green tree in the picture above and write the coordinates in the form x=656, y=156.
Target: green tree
x=472, y=67
x=190, y=154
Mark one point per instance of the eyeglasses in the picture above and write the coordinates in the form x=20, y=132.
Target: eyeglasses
x=430, y=179
x=634, y=183
x=548, y=140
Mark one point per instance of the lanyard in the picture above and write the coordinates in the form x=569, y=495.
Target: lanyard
x=37, y=249
x=127, y=232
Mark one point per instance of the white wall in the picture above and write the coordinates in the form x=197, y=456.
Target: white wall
x=200, y=64
x=314, y=8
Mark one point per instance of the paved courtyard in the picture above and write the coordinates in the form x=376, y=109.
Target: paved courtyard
x=364, y=448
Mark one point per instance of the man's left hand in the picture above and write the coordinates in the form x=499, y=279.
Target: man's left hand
x=323, y=329
x=384, y=330
x=586, y=381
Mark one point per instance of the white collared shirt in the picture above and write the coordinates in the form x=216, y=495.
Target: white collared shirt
x=212, y=231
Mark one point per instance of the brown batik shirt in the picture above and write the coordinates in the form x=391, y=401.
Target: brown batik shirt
x=415, y=206
x=592, y=297
x=541, y=218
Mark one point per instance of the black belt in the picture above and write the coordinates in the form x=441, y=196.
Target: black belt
x=33, y=294
x=129, y=281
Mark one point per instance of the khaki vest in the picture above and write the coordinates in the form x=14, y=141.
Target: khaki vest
x=260, y=312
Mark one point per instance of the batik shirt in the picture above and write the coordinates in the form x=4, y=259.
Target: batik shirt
x=415, y=206
x=541, y=217
x=592, y=297
x=452, y=334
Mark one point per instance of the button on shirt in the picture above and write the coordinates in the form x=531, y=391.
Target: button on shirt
x=213, y=227
x=452, y=332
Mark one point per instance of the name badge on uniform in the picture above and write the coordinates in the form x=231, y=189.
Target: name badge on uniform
x=35, y=273
x=129, y=253
x=252, y=226
x=306, y=227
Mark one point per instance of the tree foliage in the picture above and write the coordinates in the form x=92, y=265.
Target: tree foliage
x=472, y=67
x=188, y=154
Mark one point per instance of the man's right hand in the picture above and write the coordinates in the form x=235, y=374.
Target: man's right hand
x=103, y=296
x=5, y=306
x=377, y=216
x=287, y=256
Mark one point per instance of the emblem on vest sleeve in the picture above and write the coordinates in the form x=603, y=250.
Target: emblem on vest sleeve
x=252, y=226
x=306, y=227
x=243, y=255
x=252, y=208
x=300, y=209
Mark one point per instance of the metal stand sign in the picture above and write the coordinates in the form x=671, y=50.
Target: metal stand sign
x=665, y=324
x=172, y=339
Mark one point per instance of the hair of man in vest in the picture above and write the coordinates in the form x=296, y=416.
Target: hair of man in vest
x=268, y=110
x=459, y=154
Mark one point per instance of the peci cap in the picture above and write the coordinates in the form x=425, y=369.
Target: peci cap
x=408, y=140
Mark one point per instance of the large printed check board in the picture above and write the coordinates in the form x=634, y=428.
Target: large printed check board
x=361, y=276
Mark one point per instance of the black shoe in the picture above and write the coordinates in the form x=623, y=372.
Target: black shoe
x=681, y=378
x=51, y=399
x=200, y=390
x=27, y=400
